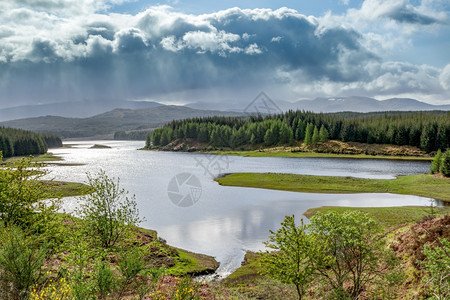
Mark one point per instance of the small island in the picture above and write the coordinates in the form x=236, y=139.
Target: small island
x=100, y=146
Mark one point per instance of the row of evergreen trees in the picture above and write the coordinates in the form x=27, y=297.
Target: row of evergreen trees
x=134, y=135
x=18, y=142
x=429, y=131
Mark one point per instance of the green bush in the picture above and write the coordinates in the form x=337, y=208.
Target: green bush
x=104, y=279
x=445, y=164
x=437, y=268
x=21, y=259
x=108, y=212
x=131, y=263
x=21, y=193
x=344, y=254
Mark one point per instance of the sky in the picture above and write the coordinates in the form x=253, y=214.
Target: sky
x=179, y=51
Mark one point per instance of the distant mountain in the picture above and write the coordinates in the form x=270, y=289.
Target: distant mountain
x=239, y=106
x=81, y=109
x=356, y=104
x=365, y=104
x=106, y=124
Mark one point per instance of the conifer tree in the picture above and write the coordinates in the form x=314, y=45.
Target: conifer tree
x=323, y=134
x=436, y=163
x=315, y=136
x=308, y=134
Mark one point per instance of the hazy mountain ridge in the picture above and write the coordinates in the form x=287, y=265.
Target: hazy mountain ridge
x=79, y=109
x=112, y=121
x=338, y=104
x=365, y=104
x=86, y=109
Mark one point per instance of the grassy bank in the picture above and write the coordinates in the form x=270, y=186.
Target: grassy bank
x=66, y=189
x=258, y=153
x=420, y=185
x=387, y=216
x=47, y=157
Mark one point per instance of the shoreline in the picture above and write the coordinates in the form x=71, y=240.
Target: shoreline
x=289, y=154
x=425, y=185
x=329, y=149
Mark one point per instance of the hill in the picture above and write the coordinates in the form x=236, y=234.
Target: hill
x=77, y=109
x=106, y=124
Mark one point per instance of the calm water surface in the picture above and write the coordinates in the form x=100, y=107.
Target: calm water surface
x=226, y=221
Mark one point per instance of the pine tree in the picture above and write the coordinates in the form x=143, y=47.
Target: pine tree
x=286, y=135
x=308, y=134
x=436, y=164
x=315, y=136
x=270, y=138
x=300, y=130
x=323, y=134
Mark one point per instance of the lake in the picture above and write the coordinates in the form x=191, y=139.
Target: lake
x=178, y=197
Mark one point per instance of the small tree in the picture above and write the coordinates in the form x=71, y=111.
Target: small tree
x=292, y=261
x=315, y=136
x=445, y=164
x=355, y=250
x=21, y=194
x=436, y=163
x=108, y=212
x=308, y=134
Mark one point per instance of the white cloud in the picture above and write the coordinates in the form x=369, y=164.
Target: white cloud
x=276, y=39
x=253, y=49
x=211, y=41
x=444, y=78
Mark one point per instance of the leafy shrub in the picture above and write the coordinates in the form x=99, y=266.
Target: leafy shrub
x=445, y=164
x=437, y=268
x=131, y=263
x=343, y=253
x=104, y=279
x=21, y=260
x=21, y=194
x=108, y=212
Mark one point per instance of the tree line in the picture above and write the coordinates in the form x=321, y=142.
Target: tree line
x=18, y=142
x=133, y=135
x=428, y=131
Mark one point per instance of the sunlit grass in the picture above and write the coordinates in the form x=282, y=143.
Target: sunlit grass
x=420, y=185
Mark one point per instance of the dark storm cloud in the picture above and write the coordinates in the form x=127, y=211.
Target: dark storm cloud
x=159, y=51
x=182, y=52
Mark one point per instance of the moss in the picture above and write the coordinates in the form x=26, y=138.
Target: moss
x=194, y=264
x=66, y=189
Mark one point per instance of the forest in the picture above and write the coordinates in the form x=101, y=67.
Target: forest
x=18, y=142
x=133, y=135
x=428, y=131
